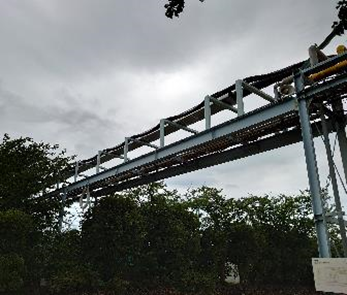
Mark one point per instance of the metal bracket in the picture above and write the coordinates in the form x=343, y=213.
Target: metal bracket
x=126, y=149
x=258, y=92
x=83, y=204
x=76, y=170
x=207, y=109
x=98, y=162
x=129, y=140
x=222, y=104
x=77, y=165
x=207, y=112
x=142, y=142
x=179, y=126
x=239, y=97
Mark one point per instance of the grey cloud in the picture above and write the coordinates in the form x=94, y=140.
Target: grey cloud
x=74, y=115
x=69, y=67
x=81, y=37
x=72, y=118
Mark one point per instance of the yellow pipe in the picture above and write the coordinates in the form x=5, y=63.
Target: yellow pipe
x=332, y=70
x=329, y=71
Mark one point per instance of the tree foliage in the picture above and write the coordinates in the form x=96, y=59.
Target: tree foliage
x=150, y=237
x=26, y=218
x=112, y=237
x=17, y=238
x=270, y=238
x=341, y=25
x=65, y=268
x=11, y=273
x=154, y=238
x=27, y=169
x=175, y=7
x=171, y=241
x=145, y=236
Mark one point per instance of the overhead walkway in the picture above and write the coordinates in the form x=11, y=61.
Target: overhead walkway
x=272, y=126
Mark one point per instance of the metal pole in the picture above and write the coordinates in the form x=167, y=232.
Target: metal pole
x=341, y=133
x=126, y=149
x=313, y=53
x=239, y=97
x=62, y=211
x=334, y=182
x=207, y=110
x=76, y=171
x=312, y=170
x=258, y=92
x=98, y=162
x=162, y=132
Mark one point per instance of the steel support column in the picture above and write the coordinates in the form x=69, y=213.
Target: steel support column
x=76, y=171
x=312, y=170
x=62, y=211
x=341, y=133
x=239, y=97
x=207, y=111
x=126, y=149
x=334, y=183
x=98, y=162
x=162, y=132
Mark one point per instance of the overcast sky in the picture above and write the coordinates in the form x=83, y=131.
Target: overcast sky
x=86, y=73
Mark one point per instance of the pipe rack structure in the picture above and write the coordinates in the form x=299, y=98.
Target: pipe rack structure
x=283, y=120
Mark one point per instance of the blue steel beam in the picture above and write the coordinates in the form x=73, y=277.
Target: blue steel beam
x=312, y=169
x=264, y=145
x=241, y=123
x=187, y=118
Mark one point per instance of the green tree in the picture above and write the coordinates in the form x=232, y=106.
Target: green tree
x=172, y=240
x=66, y=268
x=215, y=212
x=16, y=232
x=27, y=218
x=285, y=237
x=270, y=238
x=112, y=238
x=341, y=25
x=145, y=237
x=11, y=273
x=28, y=168
x=173, y=8
x=17, y=241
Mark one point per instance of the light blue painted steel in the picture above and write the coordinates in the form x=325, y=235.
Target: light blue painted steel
x=162, y=132
x=76, y=171
x=97, y=168
x=258, y=92
x=239, y=97
x=190, y=142
x=332, y=174
x=207, y=111
x=126, y=148
x=223, y=105
x=312, y=170
x=185, y=128
x=142, y=142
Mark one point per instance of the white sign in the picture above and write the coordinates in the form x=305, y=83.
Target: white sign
x=330, y=274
